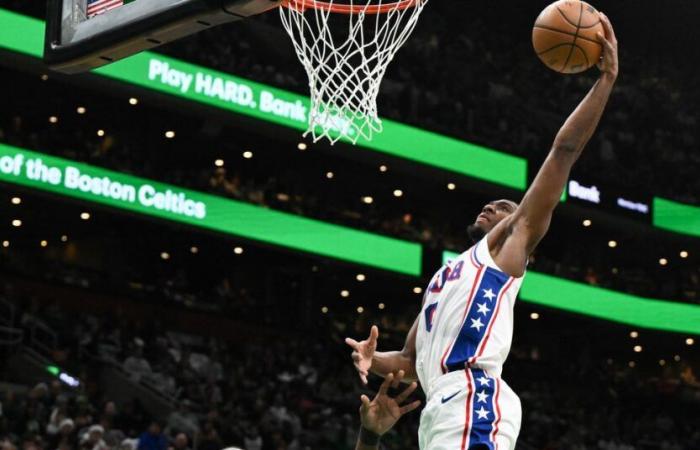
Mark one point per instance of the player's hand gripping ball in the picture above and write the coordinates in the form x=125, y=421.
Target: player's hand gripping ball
x=565, y=36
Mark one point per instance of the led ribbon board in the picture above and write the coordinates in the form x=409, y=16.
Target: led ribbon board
x=174, y=77
x=579, y=298
x=676, y=217
x=159, y=200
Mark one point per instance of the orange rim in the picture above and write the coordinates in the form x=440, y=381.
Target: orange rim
x=303, y=5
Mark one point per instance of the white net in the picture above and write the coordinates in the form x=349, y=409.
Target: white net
x=346, y=56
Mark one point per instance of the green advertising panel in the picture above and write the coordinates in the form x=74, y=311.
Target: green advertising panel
x=174, y=77
x=579, y=298
x=139, y=195
x=676, y=216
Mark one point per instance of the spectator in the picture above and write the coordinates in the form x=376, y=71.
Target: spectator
x=181, y=442
x=153, y=438
x=92, y=439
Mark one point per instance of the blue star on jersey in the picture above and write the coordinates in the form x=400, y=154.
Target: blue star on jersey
x=478, y=318
x=483, y=410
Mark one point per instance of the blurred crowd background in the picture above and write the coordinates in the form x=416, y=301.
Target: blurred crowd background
x=204, y=349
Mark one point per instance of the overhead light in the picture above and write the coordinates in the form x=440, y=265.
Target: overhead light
x=100, y=132
x=451, y=186
x=194, y=250
x=238, y=250
x=16, y=200
x=381, y=306
x=81, y=110
x=631, y=364
x=133, y=101
x=302, y=146
x=53, y=119
x=360, y=277
x=663, y=261
x=398, y=192
x=43, y=243
x=330, y=175
x=690, y=341
x=314, y=268
x=612, y=244
x=615, y=270
x=534, y=316
x=383, y=168
x=164, y=255
x=634, y=334
x=5, y=244
x=170, y=134
x=345, y=293
x=662, y=362
x=85, y=215
x=324, y=309
x=684, y=254
x=219, y=162
x=247, y=154
x=16, y=223
x=587, y=222
x=360, y=309
x=367, y=200
x=417, y=290
x=677, y=358
x=44, y=77
x=637, y=348
x=64, y=238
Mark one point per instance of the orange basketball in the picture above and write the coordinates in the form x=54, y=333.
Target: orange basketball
x=564, y=36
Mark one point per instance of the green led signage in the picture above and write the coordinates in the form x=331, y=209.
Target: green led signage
x=676, y=217
x=139, y=195
x=579, y=298
x=221, y=90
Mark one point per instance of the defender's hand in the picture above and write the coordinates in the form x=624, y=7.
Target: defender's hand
x=382, y=413
x=363, y=352
x=608, y=63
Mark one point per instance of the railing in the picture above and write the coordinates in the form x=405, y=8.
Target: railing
x=7, y=312
x=11, y=337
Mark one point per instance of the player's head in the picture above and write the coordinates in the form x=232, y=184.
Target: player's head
x=491, y=214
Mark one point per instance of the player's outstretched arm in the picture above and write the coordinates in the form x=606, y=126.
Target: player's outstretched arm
x=531, y=220
x=366, y=357
x=381, y=413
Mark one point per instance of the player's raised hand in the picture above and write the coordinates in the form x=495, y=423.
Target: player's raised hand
x=363, y=352
x=381, y=413
x=608, y=62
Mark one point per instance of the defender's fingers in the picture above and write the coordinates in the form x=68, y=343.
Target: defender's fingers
x=410, y=407
x=397, y=379
x=373, y=335
x=363, y=377
x=385, y=385
x=406, y=392
x=352, y=342
x=365, y=402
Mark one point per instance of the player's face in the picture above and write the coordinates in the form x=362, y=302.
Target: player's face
x=491, y=214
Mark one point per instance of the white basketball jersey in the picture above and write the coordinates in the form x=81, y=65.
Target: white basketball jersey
x=467, y=317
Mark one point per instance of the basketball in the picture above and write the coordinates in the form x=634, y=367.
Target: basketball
x=564, y=36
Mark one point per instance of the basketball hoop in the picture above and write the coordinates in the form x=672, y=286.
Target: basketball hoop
x=345, y=47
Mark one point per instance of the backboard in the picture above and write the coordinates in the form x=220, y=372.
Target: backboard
x=85, y=34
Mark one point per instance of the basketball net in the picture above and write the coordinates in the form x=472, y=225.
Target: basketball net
x=345, y=47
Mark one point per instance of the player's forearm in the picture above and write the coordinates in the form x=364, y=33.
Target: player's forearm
x=384, y=363
x=581, y=124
